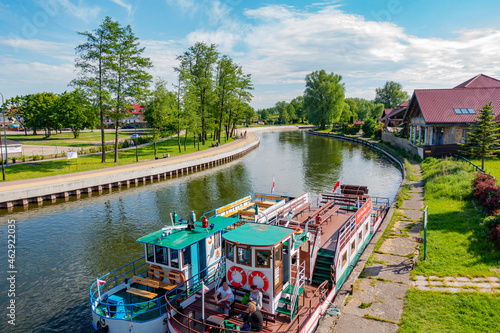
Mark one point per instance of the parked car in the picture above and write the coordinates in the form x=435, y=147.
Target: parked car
x=130, y=126
x=135, y=136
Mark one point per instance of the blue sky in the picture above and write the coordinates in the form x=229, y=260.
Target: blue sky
x=419, y=43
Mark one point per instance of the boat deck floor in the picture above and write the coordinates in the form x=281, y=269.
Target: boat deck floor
x=281, y=324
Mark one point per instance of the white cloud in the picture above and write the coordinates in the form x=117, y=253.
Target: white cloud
x=40, y=47
x=123, y=4
x=85, y=13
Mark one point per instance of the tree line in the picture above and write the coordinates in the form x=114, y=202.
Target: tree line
x=210, y=97
x=324, y=103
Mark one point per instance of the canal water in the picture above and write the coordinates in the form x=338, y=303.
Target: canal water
x=61, y=248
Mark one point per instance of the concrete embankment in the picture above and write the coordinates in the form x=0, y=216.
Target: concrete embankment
x=24, y=192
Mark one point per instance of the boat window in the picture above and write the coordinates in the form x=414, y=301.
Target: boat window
x=229, y=251
x=353, y=246
x=174, y=258
x=360, y=235
x=149, y=252
x=278, y=254
x=217, y=240
x=344, y=258
x=161, y=255
x=186, y=256
x=262, y=258
x=244, y=256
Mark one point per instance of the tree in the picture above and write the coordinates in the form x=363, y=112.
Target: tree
x=15, y=108
x=42, y=113
x=282, y=108
x=298, y=105
x=291, y=113
x=94, y=68
x=264, y=114
x=160, y=111
x=76, y=112
x=128, y=77
x=196, y=71
x=323, y=97
x=391, y=95
x=483, y=140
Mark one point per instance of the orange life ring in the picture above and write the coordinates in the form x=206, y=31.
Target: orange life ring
x=298, y=231
x=230, y=276
x=152, y=269
x=262, y=276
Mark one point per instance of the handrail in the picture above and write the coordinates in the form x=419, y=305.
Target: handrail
x=319, y=294
x=458, y=156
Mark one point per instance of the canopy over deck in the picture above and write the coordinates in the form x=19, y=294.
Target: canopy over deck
x=256, y=234
x=181, y=238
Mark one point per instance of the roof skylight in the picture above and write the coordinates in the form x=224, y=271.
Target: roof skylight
x=464, y=111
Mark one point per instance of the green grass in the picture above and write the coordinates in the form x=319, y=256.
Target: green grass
x=491, y=166
x=93, y=162
x=457, y=243
x=66, y=138
x=429, y=311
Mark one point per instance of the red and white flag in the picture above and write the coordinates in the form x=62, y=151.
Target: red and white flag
x=272, y=188
x=337, y=184
x=205, y=288
x=99, y=284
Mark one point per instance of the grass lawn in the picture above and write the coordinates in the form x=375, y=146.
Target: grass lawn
x=457, y=242
x=66, y=138
x=491, y=166
x=93, y=162
x=429, y=311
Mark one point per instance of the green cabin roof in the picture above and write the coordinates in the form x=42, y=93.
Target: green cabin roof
x=256, y=234
x=180, y=239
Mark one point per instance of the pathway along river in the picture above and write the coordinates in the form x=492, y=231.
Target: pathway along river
x=61, y=248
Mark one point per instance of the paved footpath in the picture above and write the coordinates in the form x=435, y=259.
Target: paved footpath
x=377, y=300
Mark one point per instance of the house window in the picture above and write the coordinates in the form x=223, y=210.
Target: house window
x=262, y=258
x=174, y=258
x=161, y=255
x=353, y=246
x=229, y=251
x=244, y=256
x=344, y=259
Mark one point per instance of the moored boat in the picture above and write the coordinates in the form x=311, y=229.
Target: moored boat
x=298, y=251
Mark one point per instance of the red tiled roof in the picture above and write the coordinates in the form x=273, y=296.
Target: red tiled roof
x=480, y=81
x=395, y=112
x=404, y=104
x=138, y=109
x=437, y=104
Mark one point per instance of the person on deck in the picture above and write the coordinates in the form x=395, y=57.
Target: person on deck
x=255, y=296
x=226, y=295
x=253, y=319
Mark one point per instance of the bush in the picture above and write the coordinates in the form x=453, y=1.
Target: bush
x=23, y=158
x=495, y=235
x=13, y=160
x=124, y=144
x=351, y=129
x=487, y=192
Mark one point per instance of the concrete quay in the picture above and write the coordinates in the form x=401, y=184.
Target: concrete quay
x=23, y=192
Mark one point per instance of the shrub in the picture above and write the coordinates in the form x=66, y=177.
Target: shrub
x=495, y=235
x=487, y=192
x=23, y=158
x=125, y=144
x=13, y=160
x=351, y=129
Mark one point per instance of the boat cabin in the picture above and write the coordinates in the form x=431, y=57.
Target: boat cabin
x=263, y=255
x=180, y=252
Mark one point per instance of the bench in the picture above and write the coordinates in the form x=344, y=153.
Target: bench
x=143, y=293
x=329, y=213
x=239, y=322
x=239, y=308
x=161, y=273
x=324, y=208
x=153, y=283
x=302, y=209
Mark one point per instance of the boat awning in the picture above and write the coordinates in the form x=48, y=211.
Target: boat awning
x=180, y=239
x=257, y=234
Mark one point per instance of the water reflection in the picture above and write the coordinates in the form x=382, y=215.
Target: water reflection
x=63, y=247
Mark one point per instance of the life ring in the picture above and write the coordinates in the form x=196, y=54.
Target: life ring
x=230, y=276
x=152, y=269
x=262, y=276
x=298, y=231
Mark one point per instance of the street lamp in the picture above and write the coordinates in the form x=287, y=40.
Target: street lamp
x=5, y=139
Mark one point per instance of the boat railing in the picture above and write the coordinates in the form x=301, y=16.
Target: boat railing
x=305, y=312
x=191, y=286
x=114, y=278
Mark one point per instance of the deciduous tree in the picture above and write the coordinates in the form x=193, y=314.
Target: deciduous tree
x=391, y=94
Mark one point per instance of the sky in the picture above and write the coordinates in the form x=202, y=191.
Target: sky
x=422, y=44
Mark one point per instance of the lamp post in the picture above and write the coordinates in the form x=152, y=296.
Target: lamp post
x=136, y=142
x=5, y=139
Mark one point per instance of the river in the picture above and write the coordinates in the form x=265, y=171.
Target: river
x=61, y=248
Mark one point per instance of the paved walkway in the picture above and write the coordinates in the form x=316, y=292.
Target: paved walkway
x=457, y=284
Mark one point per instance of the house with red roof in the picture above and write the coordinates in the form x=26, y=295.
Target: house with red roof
x=394, y=117
x=136, y=114
x=439, y=119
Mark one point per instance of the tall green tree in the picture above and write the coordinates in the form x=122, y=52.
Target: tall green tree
x=282, y=108
x=323, y=98
x=76, y=112
x=15, y=109
x=298, y=106
x=128, y=79
x=161, y=111
x=483, y=140
x=94, y=69
x=391, y=94
x=197, y=71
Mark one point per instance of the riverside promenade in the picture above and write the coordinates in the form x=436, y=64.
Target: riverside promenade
x=23, y=192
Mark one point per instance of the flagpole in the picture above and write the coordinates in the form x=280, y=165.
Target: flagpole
x=98, y=288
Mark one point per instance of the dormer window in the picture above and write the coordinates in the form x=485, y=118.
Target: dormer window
x=464, y=111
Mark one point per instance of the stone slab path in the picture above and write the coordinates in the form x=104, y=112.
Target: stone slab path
x=457, y=284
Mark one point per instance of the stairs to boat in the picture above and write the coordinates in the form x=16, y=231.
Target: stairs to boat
x=322, y=268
